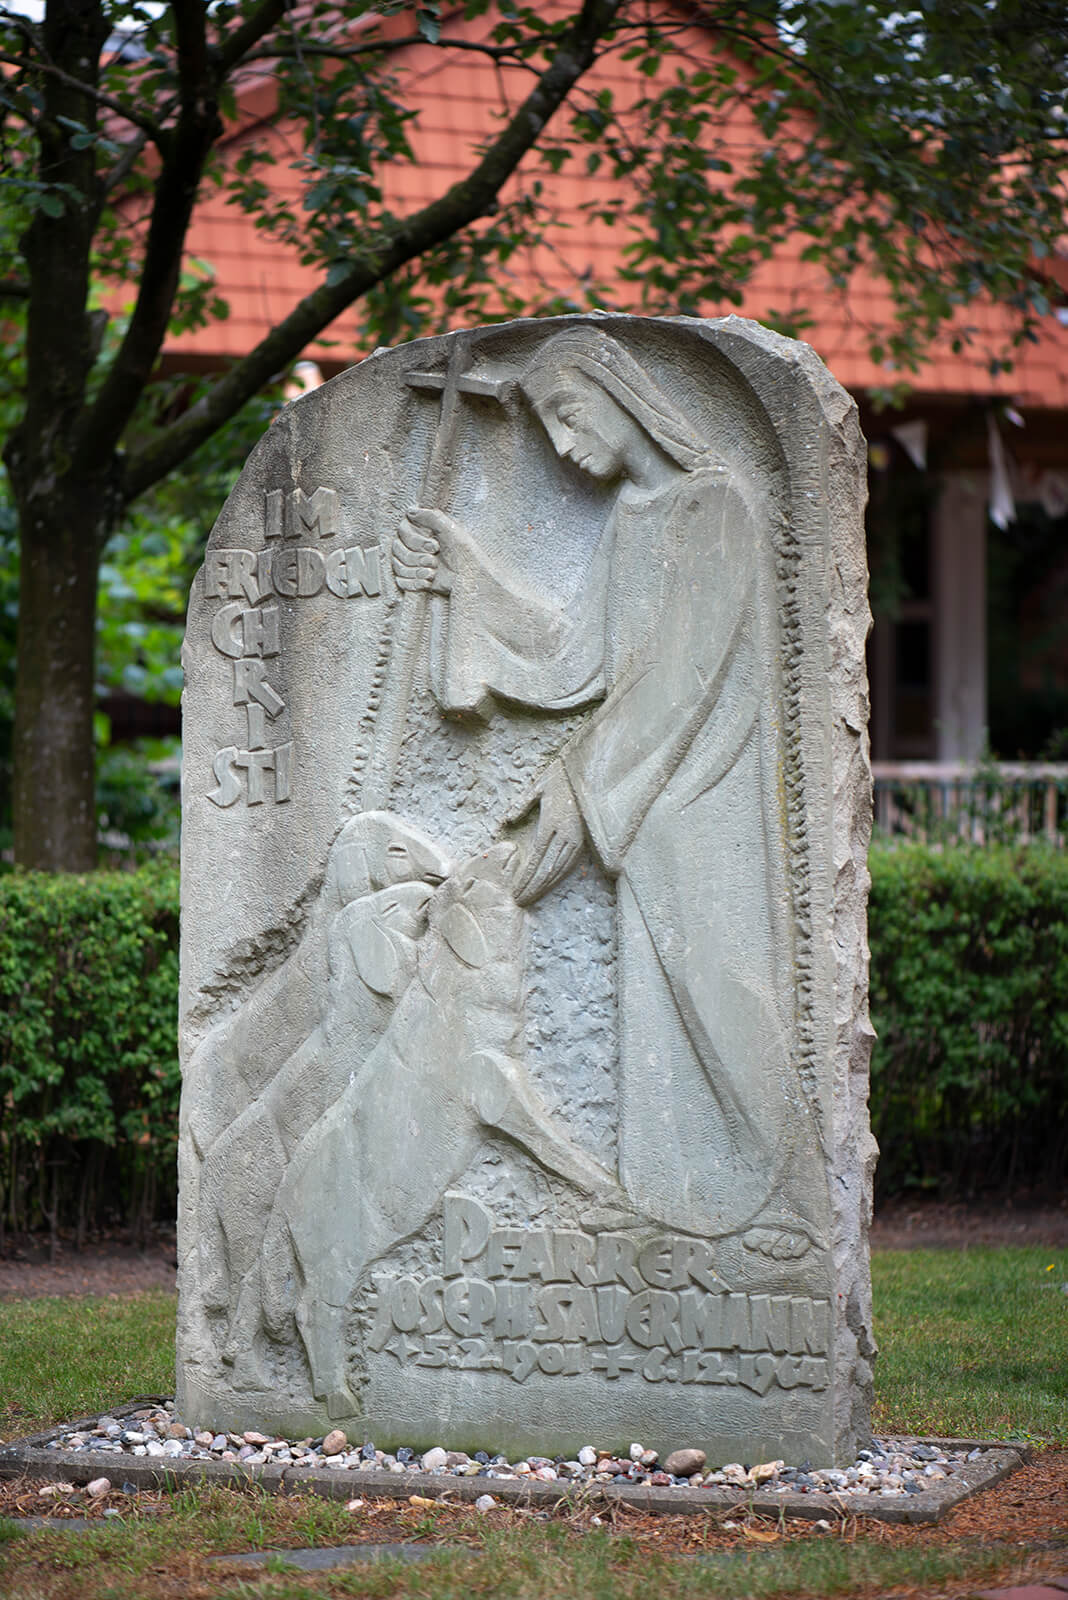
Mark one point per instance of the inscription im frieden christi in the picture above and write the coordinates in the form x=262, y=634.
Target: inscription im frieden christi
x=525, y=808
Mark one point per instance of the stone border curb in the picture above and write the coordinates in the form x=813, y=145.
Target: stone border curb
x=328, y=1557
x=26, y=1457
x=68, y=1524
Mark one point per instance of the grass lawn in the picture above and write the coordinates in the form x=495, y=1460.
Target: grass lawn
x=972, y=1343
x=61, y=1359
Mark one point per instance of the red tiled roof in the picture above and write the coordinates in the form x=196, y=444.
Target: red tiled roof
x=458, y=97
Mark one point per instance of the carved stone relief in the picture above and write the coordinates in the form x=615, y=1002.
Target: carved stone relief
x=524, y=1025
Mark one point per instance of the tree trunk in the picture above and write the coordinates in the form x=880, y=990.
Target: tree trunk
x=54, y=802
x=63, y=503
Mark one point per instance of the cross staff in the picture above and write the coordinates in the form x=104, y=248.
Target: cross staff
x=450, y=382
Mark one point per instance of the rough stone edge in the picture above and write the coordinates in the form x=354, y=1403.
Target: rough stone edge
x=849, y=621
x=814, y=410
x=26, y=1458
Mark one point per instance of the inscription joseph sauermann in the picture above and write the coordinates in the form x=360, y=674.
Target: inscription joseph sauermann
x=561, y=1302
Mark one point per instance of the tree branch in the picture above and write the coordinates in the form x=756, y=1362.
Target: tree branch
x=496, y=52
x=56, y=246
x=467, y=200
x=137, y=119
x=235, y=46
x=191, y=45
x=125, y=164
x=185, y=151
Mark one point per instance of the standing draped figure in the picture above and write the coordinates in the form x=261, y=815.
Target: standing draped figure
x=672, y=641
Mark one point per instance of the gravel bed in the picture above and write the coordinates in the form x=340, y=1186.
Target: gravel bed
x=890, y=1469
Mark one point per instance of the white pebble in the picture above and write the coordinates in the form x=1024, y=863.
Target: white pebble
x=354, y=1505
x=433, y=1458
x=588, y=1456
x=112, y=1511
x=637, y=1451
x=98, y=1488
x=485, y=1502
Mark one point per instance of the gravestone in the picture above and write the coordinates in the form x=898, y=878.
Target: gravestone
x=526, y=802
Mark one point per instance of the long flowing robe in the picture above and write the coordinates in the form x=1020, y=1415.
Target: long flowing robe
x=677, y=772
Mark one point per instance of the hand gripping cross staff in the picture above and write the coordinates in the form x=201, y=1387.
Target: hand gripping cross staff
x=450, y=382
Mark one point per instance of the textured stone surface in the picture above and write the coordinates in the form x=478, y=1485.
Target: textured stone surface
x=524, y=993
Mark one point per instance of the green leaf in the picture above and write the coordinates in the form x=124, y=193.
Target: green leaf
x=429, y=25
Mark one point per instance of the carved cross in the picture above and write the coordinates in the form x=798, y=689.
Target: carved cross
x=450, y=382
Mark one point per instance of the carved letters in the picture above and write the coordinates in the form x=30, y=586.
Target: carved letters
x=296, y=513
x=297, y=572
x=257, y=764
x=564, y=1303
x=247, y=630
x=236, y=631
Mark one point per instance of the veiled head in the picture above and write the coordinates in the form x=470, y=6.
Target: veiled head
x=602, y=409
x=586, y=426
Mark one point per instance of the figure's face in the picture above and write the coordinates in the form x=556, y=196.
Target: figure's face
x=587, y=427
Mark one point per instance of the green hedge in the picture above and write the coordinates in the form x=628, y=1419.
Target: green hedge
x=88, y=1048
x=969, y=995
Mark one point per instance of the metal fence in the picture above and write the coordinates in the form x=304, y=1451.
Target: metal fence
x=984, y=803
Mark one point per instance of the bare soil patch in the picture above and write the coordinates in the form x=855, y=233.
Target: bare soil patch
x=110, y=1265
x=906, y=1224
